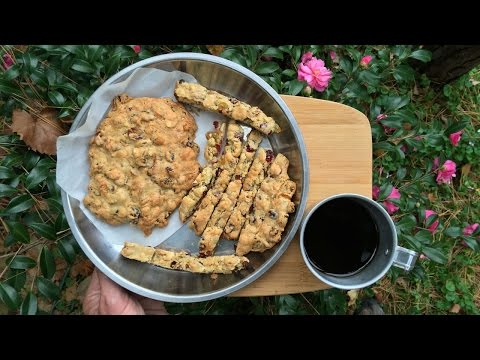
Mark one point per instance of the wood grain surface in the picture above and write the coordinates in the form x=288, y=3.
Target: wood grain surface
x=339, y=148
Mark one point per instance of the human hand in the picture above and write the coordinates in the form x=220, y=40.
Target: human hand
x=105, y=297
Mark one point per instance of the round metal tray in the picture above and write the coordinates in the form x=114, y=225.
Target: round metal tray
x=177, y=286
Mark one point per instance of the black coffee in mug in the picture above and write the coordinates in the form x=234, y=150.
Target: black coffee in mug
x=341, y=237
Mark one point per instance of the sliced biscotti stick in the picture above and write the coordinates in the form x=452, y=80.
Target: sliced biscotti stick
x=207, y=177
x=214, y=142
x=200, y=187
x=226, y=164
x=252, y=182
x=180, y=260
x=265, y=224
x=205, y=99
x=223, y=210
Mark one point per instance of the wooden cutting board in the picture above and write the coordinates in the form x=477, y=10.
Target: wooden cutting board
x=339, y=148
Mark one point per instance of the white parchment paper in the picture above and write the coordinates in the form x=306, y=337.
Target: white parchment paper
x=72, y=149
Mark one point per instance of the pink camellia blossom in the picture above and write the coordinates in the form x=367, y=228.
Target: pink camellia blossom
x=434, y=225
x=455, y=137
x=470, y=229
x=333, y=55
x=436, y=163
x=446, y=172
x=422, y=257
x=394, y=194
x=314, y=72
x=381, y=116
x=375, y=192
x=365, y=61
x=136, y=48
x=7, y=61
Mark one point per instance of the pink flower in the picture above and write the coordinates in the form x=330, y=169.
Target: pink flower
x=434, y=225
x=381, y=117
x=137, y=48
x=436, y=163
x=333, y=55
x=422, y=257
x=394, y=194
x=314, y=72
x=375, y=192
x=404, y=148
x=470, y=229
x=446, y=172
x=7, y=61
x=365, y=61
x=455, y=137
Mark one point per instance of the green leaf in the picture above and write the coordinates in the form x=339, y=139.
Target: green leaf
x=48, y=288
x=346, y=65
x=435, y=255
x=406, y=223
x=36, y=176
x=404, y=73
x=8, y=89
x=251, y=55
x=401, y=172
x=434, y=139
x=67, y=250
x=7, y=190
x=21, y=262
x=393, y=103
x=9, y=296
x=29, y=305
x=274, y=52
x=29, y=61
x=12, y=73
x=456, y=126
x=18, y=231
x=44, y=230
x=472, y=242
x=450, y=286
x=289, y=73
x=422, y=55
x=16, y=279
x=30, y=160
x=385, y=191
x=56, y=98
x=285, y=48
x=47, y=263
x=6, y=173
x=424, y=236
x=83, y=66
x=18, y=204
x=267, y=67
x=11, y=160
x=295, y=86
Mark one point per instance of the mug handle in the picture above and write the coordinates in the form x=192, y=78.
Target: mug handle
x=404, y=258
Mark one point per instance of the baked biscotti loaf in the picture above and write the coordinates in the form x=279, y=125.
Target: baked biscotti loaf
x=143, y=160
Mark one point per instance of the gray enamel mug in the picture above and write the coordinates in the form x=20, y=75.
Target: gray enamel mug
x=349, y=241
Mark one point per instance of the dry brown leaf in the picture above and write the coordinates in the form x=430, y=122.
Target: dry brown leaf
x=352, y=297
x=431, y=197
x=40, y=132
x=455, y=309
x=466, y=169
x=415, y=90
x=71, y=293
x=83, y=267
x=216, y=49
